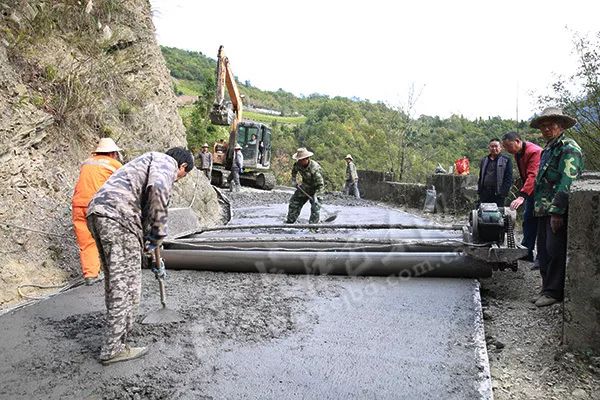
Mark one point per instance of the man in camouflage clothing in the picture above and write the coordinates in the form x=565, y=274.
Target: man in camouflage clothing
x=310, y=189
x=128, y=214
x=351, y=186
x=560, y=163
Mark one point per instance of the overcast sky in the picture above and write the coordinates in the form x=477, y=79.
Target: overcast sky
x=473, y=58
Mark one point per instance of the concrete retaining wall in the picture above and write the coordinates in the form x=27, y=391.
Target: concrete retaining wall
x=582, y=287
x=455, y=194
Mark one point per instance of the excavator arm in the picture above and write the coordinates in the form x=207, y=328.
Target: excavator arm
x=221, y=114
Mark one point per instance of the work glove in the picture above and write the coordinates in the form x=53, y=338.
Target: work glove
x=152, y=243
x=294, y=183
x=160, y=272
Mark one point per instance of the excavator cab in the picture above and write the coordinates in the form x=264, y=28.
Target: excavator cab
x=255, y=139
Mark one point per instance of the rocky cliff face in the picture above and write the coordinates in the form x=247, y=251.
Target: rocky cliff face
x=70, y=73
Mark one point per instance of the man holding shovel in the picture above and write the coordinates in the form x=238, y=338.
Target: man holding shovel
x=129, y=214
x=311, y=187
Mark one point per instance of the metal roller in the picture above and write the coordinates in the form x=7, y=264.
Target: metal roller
x=403, y=265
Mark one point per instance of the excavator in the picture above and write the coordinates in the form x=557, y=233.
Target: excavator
x=253, y=137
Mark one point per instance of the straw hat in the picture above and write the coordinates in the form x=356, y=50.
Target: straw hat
x=302, y=153
x=237, y=146
x=555, y=114
x=348, y=157
x=205, y=145
x=107, y=145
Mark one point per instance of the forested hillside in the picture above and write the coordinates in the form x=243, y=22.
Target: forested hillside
x=380, y=137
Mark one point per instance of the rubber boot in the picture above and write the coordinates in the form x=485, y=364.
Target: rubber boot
x=129, y=353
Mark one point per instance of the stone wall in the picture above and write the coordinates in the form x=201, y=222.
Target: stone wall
x=582, y=286
x=455, y=193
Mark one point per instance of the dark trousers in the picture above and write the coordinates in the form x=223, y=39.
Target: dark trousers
x=530, y=225
x=552, y=255
x=488, y=195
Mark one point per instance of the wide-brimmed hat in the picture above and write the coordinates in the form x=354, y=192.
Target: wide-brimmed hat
x=302, y=153
x=237, y=146
x=554, y=113
x=349, y=157
x=205, y=145
x=107, y=145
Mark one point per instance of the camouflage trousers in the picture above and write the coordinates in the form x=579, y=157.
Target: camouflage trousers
x=121, y=258
x=297, y=201
x=351, y=188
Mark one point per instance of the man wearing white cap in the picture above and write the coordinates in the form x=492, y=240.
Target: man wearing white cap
x=236, y=168
x=351, y=187
x=311, y=187
x=205, y=161
x=93, y=173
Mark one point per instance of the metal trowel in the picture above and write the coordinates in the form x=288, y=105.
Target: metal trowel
x=163, y=315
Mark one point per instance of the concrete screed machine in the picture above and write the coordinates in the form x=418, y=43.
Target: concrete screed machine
x=253, y=137
x=385, y=246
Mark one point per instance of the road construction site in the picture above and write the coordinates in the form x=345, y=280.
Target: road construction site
x=262, y=335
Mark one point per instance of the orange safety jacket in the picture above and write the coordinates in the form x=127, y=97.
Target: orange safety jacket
x=94, y=172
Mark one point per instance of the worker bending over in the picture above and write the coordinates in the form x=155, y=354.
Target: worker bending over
x=310, y=189
x=129, y=214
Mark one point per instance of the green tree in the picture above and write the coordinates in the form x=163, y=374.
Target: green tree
x=579, y=95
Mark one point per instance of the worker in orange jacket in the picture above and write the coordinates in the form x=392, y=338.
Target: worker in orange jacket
x=94, y=172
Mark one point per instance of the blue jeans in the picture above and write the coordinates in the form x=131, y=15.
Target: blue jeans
x=530, y=226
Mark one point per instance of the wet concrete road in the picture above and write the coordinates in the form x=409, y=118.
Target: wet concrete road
x=259, y=336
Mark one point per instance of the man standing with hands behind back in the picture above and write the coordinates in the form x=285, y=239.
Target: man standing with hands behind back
x=495, y=175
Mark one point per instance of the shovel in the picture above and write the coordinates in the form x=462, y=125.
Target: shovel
x=330, y=218
x=162, y=315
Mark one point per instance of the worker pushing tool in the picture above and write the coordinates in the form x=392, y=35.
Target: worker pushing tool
x=92, y=175
x=129, y=213
x=310, y=189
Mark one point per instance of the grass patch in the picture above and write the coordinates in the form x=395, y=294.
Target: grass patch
x=269, y=119
x=188, y=88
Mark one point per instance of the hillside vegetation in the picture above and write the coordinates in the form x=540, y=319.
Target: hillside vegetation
x=380, y=136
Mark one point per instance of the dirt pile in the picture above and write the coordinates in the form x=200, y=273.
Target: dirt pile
x=70, y=73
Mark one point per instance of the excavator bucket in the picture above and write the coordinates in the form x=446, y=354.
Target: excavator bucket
x=221, y=115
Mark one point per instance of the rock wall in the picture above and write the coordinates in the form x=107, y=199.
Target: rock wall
x=71, y=73
x=582, y=283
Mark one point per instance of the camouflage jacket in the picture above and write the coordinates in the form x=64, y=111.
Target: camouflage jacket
x=312, y=180
x=351, y=174
x=560, y=163
x=137, y=195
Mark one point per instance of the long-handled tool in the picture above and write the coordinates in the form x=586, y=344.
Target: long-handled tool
x=162, y=315
x=331, y=217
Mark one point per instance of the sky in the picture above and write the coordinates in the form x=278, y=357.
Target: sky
x=472, y=58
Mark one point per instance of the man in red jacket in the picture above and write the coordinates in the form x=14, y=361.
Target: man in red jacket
x=527, y=156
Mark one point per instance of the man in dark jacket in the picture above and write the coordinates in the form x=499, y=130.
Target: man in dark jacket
x=495, y=175
x=527, y=156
